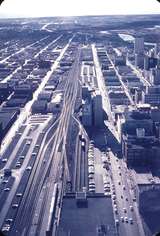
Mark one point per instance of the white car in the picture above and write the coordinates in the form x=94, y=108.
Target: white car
x=90, y=162
x=34, y=154
x=15, y=205
x=91, y=176
x=106, y=189
x=90, y=165
x=19, y=194
x=131, y=208
x=130, y=220
x=117, y=222
x=134, y=199
x=91, y=186
x=91, y=189
x=90, y=151
x=18, y=164
x=122, y=218
x=9, y=220
x=91, y=183
x=6, y=228
x=91, y=170
x=125, y=210
x=104, y=159
x=28, y=168
x=7, y=189
x=28, y=142
x=107, y=186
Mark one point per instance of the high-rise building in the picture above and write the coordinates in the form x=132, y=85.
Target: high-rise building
x=139, y=45
x=86, y=93
x=97, y=109
x=139, y=147
x=157, y=49
x=1, y=132
x=152, y=95
x=147, y=190
x=87, y=113
x=139, y=60
x=150, y=62
x=155, y=76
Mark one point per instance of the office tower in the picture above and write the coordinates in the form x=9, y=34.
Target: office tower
x=156, y=49
x=139, y=60
x=138, y=138
x=97, y=109
x=150, y=62
x=139, y=46
x=87, y=113
x=152, y=96
x=155, y=76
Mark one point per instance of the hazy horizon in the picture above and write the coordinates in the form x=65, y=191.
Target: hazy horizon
x=28, y=8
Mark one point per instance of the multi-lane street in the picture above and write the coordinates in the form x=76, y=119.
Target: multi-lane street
x=129, y=223
x=24, y=155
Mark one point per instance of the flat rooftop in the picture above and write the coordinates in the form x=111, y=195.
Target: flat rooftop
x=77, y=221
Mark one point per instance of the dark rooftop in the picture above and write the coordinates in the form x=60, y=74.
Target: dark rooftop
x=85, y=221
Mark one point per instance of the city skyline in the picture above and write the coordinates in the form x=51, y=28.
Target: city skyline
x=22, y=8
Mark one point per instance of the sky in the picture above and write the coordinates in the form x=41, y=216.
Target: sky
x=37, y=8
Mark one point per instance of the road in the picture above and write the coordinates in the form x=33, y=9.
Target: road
x=135, y=70
x=44, y=27
x=139, y=74
x=22, y=50
x=46, y=47
x=26, y=61
x=121, y=81
x=124, y=199
x=81, y=165
x=80, y=172
x=18, y=173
